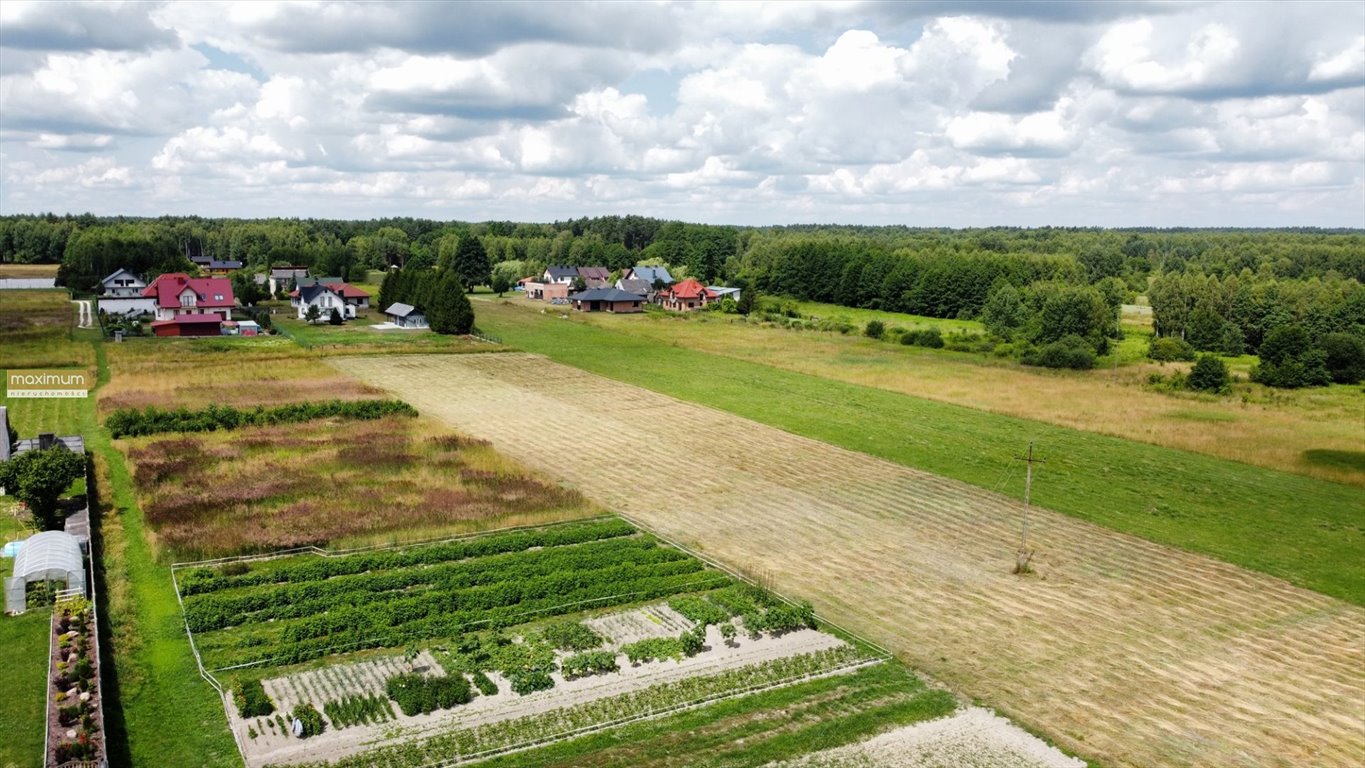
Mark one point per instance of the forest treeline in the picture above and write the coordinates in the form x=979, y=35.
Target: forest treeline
x=1217, y=290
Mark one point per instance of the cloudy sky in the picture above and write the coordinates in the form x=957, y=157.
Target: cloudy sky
x=921, y=113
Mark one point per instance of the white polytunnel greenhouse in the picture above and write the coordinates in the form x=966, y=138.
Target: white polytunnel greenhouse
x=46, y=556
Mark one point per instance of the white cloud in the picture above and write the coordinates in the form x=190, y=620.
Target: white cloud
x=744, y=112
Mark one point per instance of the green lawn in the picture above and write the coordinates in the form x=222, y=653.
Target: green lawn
x=1310, y=532
x=160, y=711
x=359, y=336
x=23, y=676
x=861, y=317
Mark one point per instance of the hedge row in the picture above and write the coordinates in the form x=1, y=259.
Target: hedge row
x=131, y=422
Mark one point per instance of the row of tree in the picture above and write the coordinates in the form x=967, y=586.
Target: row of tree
x=439, y=294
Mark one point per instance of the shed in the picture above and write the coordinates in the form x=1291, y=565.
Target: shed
x=202, y=324
x=406, y=316
x=46, y=556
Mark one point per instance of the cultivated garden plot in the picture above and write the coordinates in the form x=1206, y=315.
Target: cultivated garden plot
x=1132, y=652
x=498, y=658
x=972, y=738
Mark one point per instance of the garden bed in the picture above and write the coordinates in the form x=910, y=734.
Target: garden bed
x=75, y=720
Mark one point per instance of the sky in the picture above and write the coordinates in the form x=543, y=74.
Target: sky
x=954, y=114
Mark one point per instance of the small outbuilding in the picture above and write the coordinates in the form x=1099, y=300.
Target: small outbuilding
x=406, y=316
x=189, y=325
x=607, y=300
x=46, y=556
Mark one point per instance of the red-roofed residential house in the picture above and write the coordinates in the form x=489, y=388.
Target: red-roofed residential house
x=686, y=296
x=177, y=293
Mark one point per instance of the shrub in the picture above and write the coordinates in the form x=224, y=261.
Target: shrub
x=310, y=718
x=699, y=610
x=1209, y=374
x=693, y=640
x=925, y=337
x=1168, y=348
x=420, y=694
x=1070, y=351
x=335, y=318
x=1345, y=357
x=251, y=699
x=530, y=682
x=570, y=636
x=486, y=686
x=728, y=632
x=875, y=329
x=589, y=663
x=653, y=649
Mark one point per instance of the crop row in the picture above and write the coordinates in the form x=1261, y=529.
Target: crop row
x=398, y=623
x=460, y=743
x=211, y=611
x=310, y=568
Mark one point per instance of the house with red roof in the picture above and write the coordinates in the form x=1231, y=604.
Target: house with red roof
x=178, y=294
x=686, y=296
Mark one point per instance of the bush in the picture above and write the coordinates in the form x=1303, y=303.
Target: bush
x=1168, y=348
x=335, y=318
x=420, y=694
x=875, y=329
x=1345, y=357
x=653, y=649
x=486, y=686
x=310, y=718
x=699, y=610
x=589, y=663
x=251, y=700
x=530, y=682
x=925, y=337
x=1209, y=374
x=1070, y=351
x=570, y=636
x=39, y=478
x=693, y=640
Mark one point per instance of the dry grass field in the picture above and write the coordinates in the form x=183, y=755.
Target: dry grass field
x=331, y=482
x=1278, y=429
x=1117, y=648
x=28, y=270
x=241, y=372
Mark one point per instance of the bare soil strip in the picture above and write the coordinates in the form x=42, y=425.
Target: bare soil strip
x=971, y=738
x=1118, y=648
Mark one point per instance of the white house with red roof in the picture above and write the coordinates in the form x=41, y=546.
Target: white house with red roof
x=686, y=296
x=177, y=294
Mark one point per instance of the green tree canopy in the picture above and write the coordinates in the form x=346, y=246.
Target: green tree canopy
x=39, y=478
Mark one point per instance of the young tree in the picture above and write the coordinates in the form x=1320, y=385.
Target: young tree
x=39, y=478
x=1209, y=374
x=388, y=289
x=1004, y=313
x=1345, y=357
x=335, y=317
x=874, y=329
x=312, y=314
x=500, y=283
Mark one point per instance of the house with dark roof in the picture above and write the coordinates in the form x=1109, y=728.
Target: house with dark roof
x=595, y=277
x=638, y=287
x=327, y=294
x=176, y=294
x=561, y=275
x=686, y=296
x=607, y=300
x=285, y=278
x=648, y=274
x=222, y=268
x=406, y=316
x=121, y=294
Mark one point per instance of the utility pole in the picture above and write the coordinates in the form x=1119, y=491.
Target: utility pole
x=1021, y=564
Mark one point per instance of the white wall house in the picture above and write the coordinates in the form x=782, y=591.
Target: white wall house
x=123, y=295
x=326, y=299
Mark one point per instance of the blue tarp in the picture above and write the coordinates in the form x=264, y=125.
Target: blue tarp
x=12, y=548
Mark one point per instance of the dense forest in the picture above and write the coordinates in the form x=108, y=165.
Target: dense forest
x=1214, y=290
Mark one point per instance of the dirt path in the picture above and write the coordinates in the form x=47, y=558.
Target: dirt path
x=369, y=677
x=85, y=318
x=1121, y=649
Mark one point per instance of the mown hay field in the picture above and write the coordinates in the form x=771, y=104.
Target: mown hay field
x=1119, y=649
x=1286, y=430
